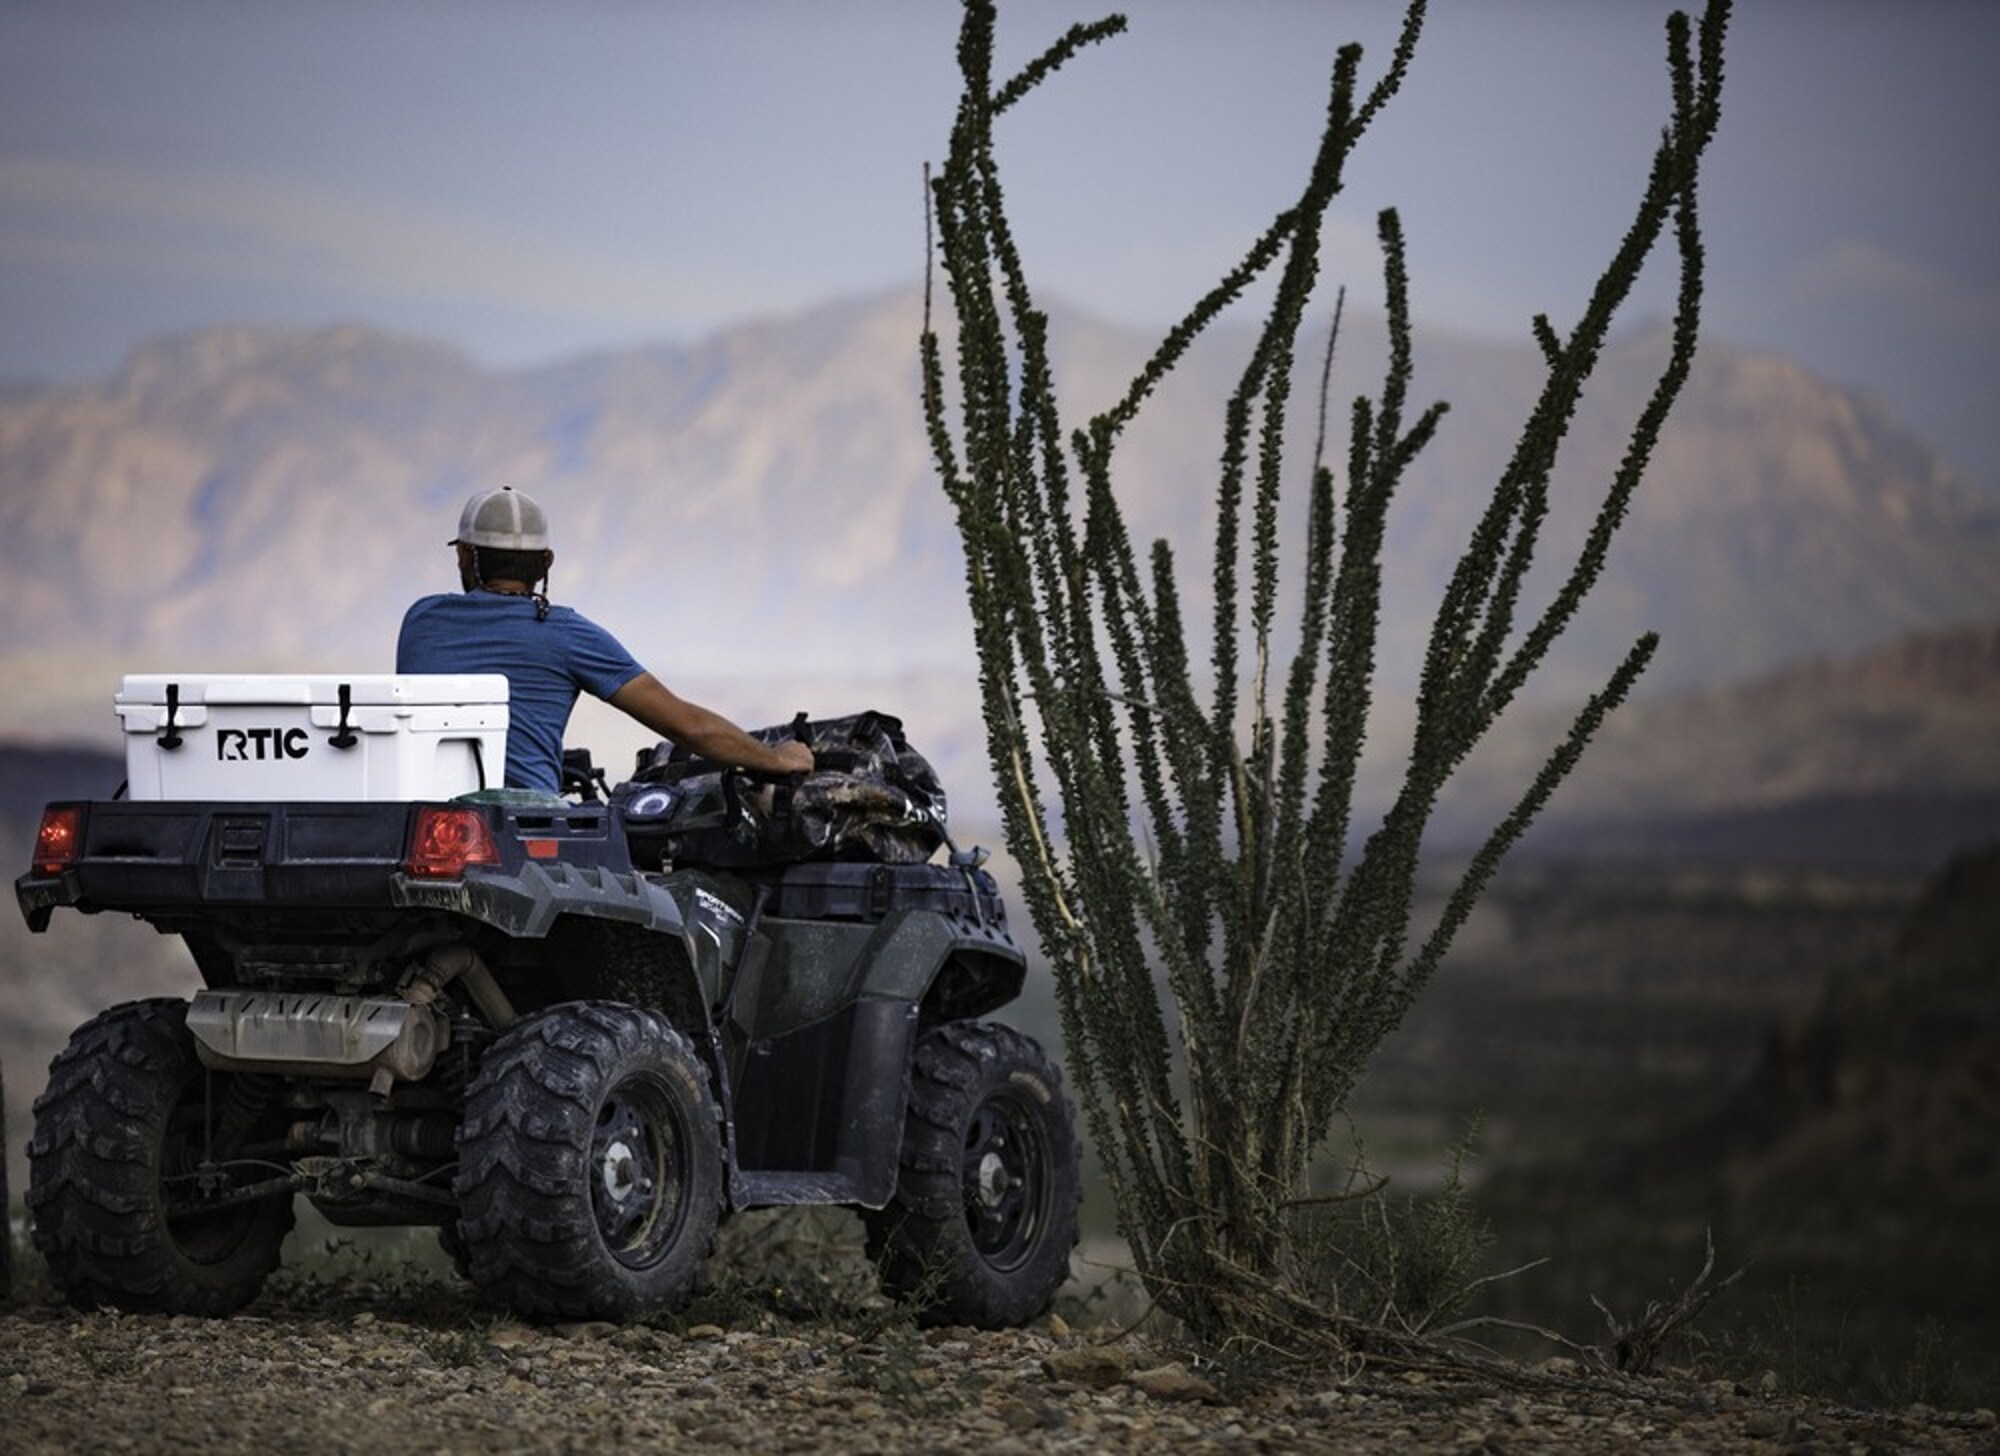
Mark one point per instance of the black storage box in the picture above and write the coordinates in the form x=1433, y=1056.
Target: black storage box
x=847, y=890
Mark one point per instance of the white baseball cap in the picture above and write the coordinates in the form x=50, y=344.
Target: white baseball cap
x=504, y=519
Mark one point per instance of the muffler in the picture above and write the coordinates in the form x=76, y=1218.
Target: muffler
x=363, y=1037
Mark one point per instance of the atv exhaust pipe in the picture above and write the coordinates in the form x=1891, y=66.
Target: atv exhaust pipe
x=461, y=963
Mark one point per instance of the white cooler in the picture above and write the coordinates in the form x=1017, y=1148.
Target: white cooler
x=277, y=736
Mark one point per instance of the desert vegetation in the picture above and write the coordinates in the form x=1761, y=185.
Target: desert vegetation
x=1189, y=828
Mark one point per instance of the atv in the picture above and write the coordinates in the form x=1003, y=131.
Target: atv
x=572, y=1033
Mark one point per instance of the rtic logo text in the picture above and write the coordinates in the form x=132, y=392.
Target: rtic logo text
x=239, y=745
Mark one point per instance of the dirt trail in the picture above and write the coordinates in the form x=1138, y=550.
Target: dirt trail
x=363, y=1369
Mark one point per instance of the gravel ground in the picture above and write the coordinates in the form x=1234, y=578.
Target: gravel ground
x=358, y=1369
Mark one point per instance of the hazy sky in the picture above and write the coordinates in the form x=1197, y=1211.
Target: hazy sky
x=529, y=179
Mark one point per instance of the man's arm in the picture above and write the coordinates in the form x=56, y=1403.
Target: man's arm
x=709, y=734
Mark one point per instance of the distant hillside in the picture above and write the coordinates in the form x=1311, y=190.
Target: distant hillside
x=1800, y=1065
x=762, y=503
x=1859, y=1164
x=1884, y=1097
x=1885, y=757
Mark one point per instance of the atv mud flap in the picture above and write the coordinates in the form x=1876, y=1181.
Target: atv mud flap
x=819, y=1114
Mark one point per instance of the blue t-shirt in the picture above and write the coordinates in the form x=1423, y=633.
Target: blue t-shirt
x=546, y=664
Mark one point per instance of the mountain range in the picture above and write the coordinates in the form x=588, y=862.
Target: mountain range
x=763, y=502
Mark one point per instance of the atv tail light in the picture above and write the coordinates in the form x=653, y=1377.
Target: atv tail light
x=445, y=839
x=57, y=842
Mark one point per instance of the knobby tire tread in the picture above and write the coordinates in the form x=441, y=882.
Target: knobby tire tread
x=920, y=1241
x=525, y=1223
x=94, y=1194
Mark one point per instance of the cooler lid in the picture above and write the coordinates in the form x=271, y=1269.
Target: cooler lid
x=375, y=689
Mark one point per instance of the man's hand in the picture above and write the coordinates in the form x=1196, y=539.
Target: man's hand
x=708, y=733
x=797, y=757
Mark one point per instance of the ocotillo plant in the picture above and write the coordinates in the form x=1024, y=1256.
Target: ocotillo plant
x=1173, y=822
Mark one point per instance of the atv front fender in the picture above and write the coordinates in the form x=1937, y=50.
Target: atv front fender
x=922, y=957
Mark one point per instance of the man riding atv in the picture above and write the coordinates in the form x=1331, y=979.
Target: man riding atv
x=501, y=623
x=572, y=1034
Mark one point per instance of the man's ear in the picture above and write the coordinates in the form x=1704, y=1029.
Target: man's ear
x=548, y=560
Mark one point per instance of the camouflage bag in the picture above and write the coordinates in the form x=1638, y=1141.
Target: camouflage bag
x=870, y=796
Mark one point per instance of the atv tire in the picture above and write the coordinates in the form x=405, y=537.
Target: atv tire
x=983, y=1220
x=128, y=1118
x=590, y=1165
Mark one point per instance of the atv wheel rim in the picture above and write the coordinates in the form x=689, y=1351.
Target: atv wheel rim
x=638, y=1172
x=1005, y=1178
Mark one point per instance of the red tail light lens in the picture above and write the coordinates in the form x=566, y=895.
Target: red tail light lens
x=444, y=840
x=58, y=841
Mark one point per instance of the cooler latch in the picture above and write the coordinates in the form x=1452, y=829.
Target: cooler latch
x=170, y=737
x=343, y=732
